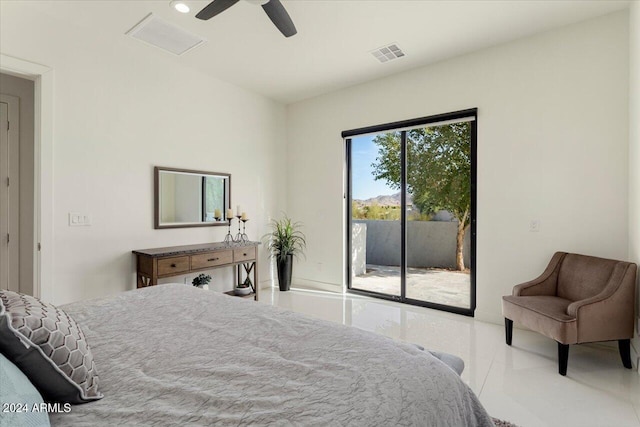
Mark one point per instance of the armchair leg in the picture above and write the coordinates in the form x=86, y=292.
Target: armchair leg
x=508, y=330
x=625, y=352
x=563, y=358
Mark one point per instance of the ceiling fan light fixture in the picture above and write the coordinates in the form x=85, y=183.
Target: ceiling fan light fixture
x=180, y=6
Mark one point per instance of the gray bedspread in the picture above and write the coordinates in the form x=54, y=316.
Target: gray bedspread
x=174, y=355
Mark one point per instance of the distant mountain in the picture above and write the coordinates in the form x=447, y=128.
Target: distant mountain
x=392, y=200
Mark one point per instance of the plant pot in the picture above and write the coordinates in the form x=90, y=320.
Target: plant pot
x=285, y=267
x=205, y=287
x=242, y=291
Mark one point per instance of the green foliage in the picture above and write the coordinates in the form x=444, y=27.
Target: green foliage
x=375, y=211
x=202, y=279
x=356, y=211
x=438, y=167
x=285, y=238
x=416, y=215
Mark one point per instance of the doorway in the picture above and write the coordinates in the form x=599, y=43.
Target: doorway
x=411, y=193
x=42, y=78
x=17, y=249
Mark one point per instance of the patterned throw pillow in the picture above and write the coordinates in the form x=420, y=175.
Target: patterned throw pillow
x=49, y=347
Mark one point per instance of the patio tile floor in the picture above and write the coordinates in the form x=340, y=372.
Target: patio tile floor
x=425, y=284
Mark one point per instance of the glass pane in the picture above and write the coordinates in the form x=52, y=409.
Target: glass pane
x=213, y=197
x=376, y=211
x=438, y=214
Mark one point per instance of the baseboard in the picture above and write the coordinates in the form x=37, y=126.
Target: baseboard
x=489, y=317
x=315, y=285
x=266, y=284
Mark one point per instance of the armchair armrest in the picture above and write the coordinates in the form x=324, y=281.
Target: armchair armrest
x=613, y=285
x=546, y=283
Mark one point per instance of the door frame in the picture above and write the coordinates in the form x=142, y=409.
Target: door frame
x=43, y=260
x=402, y=126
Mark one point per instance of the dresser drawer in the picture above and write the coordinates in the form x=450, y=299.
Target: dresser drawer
x=211, y=259
x=244, y=254
x=173, y=265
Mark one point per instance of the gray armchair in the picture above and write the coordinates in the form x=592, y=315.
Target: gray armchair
x=578, y=299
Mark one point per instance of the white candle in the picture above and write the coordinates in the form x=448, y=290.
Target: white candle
x=216, y=213
x=244, y=216
x=229, y=214
x=239, y=210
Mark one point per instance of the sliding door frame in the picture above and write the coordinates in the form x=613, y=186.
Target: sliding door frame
x=402, y=126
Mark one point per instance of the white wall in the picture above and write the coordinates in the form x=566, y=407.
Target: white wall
x=552, y=146
x=634, y=145
x=24, y=89
x=121, y=108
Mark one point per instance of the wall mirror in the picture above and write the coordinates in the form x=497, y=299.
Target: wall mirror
x=188, y=198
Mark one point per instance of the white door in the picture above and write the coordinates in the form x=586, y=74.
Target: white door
x=9, y=196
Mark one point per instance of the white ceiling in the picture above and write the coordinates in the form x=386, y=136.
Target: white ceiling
x=331, y=49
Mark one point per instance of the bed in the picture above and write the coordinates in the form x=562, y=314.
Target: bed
x=174, y=355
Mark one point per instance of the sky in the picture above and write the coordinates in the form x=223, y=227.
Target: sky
x=363, y=154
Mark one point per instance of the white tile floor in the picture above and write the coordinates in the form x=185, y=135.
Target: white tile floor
x=519, y=383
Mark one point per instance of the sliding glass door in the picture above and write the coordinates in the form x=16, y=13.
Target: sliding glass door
x=411, y=211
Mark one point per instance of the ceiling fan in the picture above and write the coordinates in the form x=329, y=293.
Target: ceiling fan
x=273, y=8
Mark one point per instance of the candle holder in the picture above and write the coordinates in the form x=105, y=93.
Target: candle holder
x=243, y=237
x=228, y=239
x=238, y=238
x=217, y=218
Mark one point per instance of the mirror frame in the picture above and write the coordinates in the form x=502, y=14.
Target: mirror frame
x=156, y=198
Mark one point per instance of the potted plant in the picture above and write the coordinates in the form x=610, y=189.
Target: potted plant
x=202, y=281
x=244, y=288
x=284, y=242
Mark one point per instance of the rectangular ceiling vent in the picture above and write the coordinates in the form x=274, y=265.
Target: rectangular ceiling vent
x=388, y=53
x=162, y=34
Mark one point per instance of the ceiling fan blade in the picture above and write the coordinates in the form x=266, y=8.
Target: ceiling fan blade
x=280, y=18
x=214, y=8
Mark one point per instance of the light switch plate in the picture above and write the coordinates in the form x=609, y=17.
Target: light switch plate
x=79, y=219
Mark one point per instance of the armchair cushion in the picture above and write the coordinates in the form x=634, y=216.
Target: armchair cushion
x=544, y=314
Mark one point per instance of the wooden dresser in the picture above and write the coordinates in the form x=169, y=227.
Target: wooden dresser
x=158, y=263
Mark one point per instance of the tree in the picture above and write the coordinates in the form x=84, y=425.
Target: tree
x=438, y=171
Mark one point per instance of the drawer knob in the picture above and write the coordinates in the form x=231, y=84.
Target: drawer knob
x=213, y=259
x=244, y=254
x=173, y=266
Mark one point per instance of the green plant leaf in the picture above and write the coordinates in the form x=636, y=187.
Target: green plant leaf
x=285, y=238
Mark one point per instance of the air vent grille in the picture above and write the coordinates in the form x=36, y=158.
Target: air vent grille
x=388, y=53
x=165, y=35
